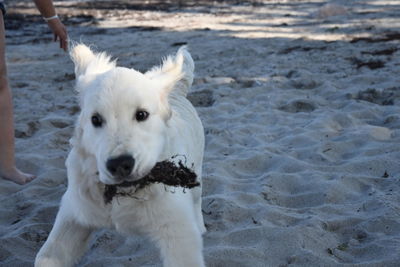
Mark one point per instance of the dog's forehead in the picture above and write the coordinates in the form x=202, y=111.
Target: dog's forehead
x=122, y=87
x=123, y=80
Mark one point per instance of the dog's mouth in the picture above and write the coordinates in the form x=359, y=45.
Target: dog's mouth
x=135, y=178
x=107, y=178
x=121, y=180
x=165, y=172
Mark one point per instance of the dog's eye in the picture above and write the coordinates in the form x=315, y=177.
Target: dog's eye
x=97, y=120
x=141, y=115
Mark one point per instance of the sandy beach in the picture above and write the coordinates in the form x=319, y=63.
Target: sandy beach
x=300, y=101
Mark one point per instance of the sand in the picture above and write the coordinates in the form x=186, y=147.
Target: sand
x=300, y=105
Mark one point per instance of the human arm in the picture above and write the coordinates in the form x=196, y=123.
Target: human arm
x=47, y=10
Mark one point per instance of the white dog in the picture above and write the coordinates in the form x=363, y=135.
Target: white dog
x=129, y=122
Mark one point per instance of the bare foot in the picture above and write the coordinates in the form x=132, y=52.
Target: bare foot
x=17, y=176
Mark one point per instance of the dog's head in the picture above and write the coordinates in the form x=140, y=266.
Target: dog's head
x=125, y=113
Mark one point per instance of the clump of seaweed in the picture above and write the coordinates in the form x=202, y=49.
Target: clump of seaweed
x=166, y=172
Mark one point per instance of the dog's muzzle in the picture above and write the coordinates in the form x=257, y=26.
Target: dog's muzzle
x=120, y=167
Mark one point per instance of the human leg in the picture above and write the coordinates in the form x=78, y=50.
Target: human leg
x=8, y=170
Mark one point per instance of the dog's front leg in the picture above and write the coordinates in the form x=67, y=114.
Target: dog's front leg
x=177, y=234
x=65, y=244
x=181, y=247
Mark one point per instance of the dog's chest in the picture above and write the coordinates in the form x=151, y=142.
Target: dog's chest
x=130, y=213
x=127, y=215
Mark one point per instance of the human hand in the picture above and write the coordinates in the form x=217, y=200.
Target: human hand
x=60, y=32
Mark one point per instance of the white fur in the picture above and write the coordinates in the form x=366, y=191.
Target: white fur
x=170, y=217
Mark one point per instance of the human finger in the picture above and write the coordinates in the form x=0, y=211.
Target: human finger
x=66, y=45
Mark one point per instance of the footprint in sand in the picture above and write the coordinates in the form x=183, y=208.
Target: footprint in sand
x=384, y=97
x=201, y=98
x=74, y=109
x=26, y=130
x=65, y=78
x=302, y=79
x=298, y=106
x=37, y=236
x=56, y=122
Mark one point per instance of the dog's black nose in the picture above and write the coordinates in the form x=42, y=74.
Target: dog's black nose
x=121, y=166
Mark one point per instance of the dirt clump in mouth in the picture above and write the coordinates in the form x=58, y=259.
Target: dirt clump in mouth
x=165, y=172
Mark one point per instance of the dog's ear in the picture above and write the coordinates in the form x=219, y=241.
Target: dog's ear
x=87, y=62
x=175, y=74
